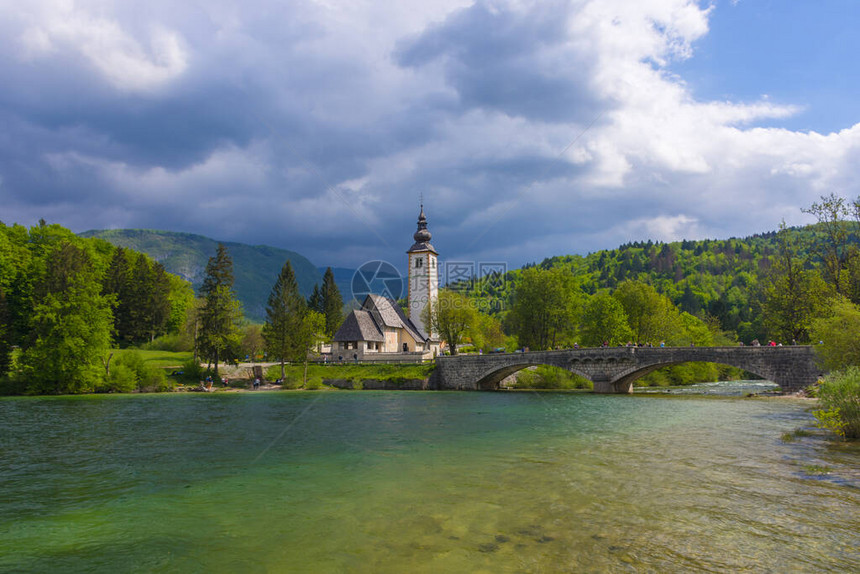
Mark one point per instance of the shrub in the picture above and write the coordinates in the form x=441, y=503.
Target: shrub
x=192, y=372
x=147, y=377
x=122, y=379
x=839, y=397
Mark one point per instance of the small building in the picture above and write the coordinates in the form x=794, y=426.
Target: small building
x=380, y=330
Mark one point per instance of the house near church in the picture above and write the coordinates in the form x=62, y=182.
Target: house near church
x=381, y=330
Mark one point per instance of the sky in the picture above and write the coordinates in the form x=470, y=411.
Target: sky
x=530, y=129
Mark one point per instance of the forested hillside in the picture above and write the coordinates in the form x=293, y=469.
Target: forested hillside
x=718, y=279
x=186, y=254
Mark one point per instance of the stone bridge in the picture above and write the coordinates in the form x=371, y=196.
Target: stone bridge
x=613, y=369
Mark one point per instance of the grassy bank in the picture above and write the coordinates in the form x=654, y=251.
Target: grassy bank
x=157, y=359
x=349, y=372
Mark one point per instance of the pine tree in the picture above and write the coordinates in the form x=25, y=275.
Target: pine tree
x=159, y=301
x=332, y=304
x=221, y=313
x=285, y=310
x=315, y=301
x=117, y=282
x=141, y=295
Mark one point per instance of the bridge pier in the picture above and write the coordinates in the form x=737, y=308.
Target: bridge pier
x=608, y=387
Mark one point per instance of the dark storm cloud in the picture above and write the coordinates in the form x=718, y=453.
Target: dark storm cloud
x=512, y=61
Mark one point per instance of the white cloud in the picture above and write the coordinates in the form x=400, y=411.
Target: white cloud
x=125, y=61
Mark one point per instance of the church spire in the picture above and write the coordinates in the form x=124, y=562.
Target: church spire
x=422, y=235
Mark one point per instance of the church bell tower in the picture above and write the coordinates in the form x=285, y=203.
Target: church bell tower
x=423, y=275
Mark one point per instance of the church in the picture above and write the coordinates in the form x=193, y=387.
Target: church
x=381, y=330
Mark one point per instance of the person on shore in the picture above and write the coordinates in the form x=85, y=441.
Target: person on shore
x=256, y=384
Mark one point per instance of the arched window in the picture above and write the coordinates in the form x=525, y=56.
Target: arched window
x=419, y=262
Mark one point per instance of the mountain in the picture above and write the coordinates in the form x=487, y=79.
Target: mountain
x=255, y=267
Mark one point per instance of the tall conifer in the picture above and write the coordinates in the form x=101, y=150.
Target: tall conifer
x=284, y=314
x=332, y=304
x=315, y=301
x=221, y=313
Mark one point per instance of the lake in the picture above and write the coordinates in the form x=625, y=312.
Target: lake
x=422, y=482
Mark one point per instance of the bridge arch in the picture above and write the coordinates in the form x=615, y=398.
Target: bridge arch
x=623, y=383
x=491, y=380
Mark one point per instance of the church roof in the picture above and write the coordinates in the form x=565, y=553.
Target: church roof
x=392, y=315
x=359, y=326
x=376, y=312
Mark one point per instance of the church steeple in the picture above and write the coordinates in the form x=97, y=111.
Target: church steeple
x=422, y=236
x=423, y=275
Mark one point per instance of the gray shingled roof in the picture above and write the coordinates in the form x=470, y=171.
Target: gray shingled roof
x=359, y=326
x=393, y=316
x=386, y=309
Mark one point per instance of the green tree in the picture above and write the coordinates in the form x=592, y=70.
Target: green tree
x=487, y=333
x=159, y=301
x=307, y=337
x=452, y=315
x=332, y=304
x=70, y=326
x=220, y=316
x=652, y=317
x=315, y=301
x=546, y=308
x=838, y=332
x=604, y=320
x=831, y=243
x=285, y=311
x=5, y=334
x=117, y=282
x=252, y=341
x=181, y=299
x=792, y=294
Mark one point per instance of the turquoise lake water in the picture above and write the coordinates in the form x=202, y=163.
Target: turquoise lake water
x=422, y=482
